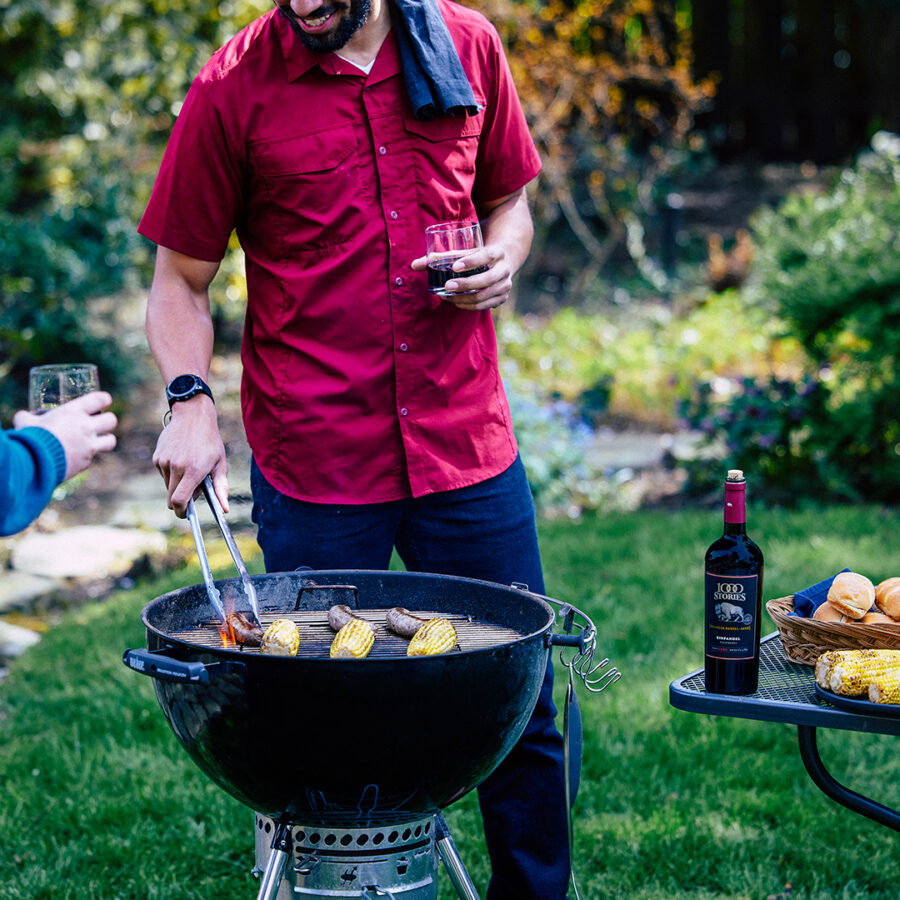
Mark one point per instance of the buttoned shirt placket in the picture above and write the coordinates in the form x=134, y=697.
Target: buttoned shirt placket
x=396, y=195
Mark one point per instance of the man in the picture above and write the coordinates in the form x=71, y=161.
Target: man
x=43, y=451
x=374, y=410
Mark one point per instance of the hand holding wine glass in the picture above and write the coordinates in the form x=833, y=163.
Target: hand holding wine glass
x=65, y=400
x=462, y=269
x=445, y=244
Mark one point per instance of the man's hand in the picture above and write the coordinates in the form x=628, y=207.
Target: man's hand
x=81, y=426
x=508, y=230
x=483, y=291
x=190, y=448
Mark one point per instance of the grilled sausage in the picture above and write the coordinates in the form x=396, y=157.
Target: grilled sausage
x=402, y=622
x=340, y=615
x=238, y=627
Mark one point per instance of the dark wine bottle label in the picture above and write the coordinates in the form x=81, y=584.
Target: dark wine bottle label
x=731, y=603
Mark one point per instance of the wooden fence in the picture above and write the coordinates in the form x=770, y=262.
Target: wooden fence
x=800, y=79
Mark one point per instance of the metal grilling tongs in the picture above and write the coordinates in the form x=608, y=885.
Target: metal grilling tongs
x=219, y=514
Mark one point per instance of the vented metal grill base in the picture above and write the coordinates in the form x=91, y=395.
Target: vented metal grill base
x=397, y=861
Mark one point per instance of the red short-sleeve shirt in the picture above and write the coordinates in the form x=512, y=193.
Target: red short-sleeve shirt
x=358, y=385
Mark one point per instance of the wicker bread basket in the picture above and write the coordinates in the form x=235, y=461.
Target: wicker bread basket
x=805, y=639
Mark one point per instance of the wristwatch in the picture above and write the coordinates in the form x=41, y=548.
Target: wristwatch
x=183, y=387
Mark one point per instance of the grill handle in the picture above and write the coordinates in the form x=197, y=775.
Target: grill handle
x=164, y=668
x=584, y=642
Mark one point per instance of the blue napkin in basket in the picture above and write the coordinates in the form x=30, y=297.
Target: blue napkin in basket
x=808, y=600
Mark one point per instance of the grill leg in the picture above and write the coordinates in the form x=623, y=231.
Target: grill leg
x=281, y=851
x=452, y=862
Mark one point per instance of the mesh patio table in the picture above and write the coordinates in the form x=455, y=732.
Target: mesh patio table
x=787, y=693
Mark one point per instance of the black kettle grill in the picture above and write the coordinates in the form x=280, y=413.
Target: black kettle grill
x=353, y=751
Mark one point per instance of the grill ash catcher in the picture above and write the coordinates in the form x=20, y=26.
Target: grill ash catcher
x=348, y=791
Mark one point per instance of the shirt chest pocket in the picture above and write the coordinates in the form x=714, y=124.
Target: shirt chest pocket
x=448, y=142
x=310, y=183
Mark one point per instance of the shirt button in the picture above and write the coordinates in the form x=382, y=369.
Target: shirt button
x=395, y=214
x=404, y=348
x=382, y=150
x=398, y=281
x=404, y=411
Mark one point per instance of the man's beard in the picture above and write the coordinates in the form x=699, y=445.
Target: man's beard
x=326, y=43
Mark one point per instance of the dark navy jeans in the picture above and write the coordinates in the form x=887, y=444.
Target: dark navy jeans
x=486, y=531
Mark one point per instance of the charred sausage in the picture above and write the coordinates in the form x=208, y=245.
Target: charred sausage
x=339, y=616
x=238, y=627
x=401, y=621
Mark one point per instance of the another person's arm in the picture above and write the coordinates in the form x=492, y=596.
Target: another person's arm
x=180, y=333
x=507, y=230
x=43, y=451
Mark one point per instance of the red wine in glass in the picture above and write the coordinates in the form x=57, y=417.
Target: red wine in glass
x=440, y=271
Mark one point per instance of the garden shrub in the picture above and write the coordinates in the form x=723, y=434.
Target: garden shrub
x=760, y=425
x=634, y=364
x=53, y=265
x=828, y=268
x=89, y=92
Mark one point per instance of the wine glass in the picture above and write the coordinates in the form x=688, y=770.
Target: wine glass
x=445, y=243
x=50, y=386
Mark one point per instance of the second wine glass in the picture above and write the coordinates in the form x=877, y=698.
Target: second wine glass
x=52, y=385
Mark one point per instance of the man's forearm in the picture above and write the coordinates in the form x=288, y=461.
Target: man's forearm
x=509, y=224
x=180, y=334
x=179, y=323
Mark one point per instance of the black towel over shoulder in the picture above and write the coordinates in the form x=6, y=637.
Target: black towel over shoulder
x=435, y=79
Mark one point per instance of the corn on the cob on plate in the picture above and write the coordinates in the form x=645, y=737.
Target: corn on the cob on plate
x=353, y=641
x=434, y=637
x=824, y=665
x=281, y=638
x=827, y=661
x=885, y=688
x=852, y=675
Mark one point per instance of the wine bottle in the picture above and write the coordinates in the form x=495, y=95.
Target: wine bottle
x=734, y=579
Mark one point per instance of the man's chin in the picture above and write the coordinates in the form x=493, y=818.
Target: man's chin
x=326, y=42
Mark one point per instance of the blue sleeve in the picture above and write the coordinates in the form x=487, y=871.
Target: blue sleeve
x=32, y=464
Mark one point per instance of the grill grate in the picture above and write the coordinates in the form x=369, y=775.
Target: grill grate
x=316, y=635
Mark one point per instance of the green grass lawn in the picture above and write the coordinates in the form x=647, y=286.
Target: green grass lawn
x=98, y=799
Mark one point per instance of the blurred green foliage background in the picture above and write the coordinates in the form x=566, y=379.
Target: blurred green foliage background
x=779, y=349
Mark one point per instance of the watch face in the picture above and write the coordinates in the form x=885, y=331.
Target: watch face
x=181, y=385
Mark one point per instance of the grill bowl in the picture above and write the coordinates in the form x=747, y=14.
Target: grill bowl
x=332, y=742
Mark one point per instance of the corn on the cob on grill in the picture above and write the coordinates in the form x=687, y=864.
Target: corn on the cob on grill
x=435, y=636
x=281, y=638
x=885, y=688
x=852, y=675
x=353, y=641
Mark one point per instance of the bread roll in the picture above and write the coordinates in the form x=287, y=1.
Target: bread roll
x=887, y=597
x=876, y=618
x=851, y=594
x=825, y=612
